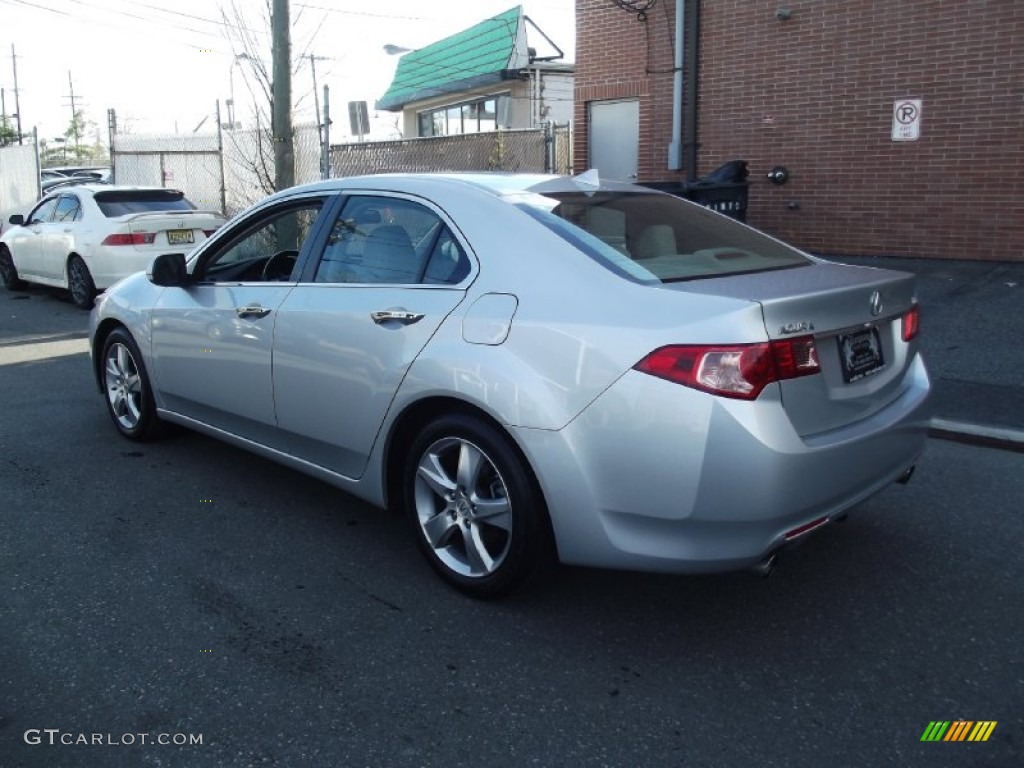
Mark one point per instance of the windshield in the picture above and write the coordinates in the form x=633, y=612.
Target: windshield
x=655, y=237
x=124, y=201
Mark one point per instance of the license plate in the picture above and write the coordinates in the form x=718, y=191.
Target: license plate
x=860, y=354
x=179, y=236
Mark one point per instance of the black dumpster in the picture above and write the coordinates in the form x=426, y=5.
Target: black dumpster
x=723, y=190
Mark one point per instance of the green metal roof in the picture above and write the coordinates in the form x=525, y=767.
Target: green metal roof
x=480, y=55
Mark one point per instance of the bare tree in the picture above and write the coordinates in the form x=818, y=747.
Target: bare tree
x=249, y=36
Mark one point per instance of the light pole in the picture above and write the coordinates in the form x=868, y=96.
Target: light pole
x=397, y=50
x=231, y=86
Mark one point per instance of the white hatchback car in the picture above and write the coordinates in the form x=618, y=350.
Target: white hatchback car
x=86, y=238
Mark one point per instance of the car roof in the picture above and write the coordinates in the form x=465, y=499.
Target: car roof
x=500, y=184
x=94, y=186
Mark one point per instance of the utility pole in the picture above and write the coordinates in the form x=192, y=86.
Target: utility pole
x=284, y=152
x=74, y=117
x=325, y=137
x=17, y=101
x=313, y=59
x=321, y=121
x=316, y=97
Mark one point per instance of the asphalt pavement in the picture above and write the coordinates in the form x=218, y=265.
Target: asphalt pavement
x=972, y=338
x=232, y=612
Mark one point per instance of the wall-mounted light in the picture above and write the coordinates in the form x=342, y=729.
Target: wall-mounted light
x=783, y=14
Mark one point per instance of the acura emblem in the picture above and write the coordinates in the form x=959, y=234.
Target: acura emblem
x=876, y=303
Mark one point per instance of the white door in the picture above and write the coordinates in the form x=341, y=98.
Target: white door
x=614, y=130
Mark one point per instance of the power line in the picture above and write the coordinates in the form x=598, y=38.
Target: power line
x=147, y=19
x=359, y=13
x=42, y=7
x=93, y=19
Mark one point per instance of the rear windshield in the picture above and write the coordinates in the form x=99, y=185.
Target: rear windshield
x=656, y=238
x=124, y=201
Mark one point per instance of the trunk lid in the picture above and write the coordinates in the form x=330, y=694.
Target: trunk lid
x=855, y=316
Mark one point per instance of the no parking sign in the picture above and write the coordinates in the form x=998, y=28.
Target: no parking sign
x=906, y=119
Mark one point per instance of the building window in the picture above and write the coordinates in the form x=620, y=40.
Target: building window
x=477, y=116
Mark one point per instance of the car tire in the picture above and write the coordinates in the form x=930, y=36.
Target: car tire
x=80, y=283
x=475, y=508
x=128, y=394
x=9, y=272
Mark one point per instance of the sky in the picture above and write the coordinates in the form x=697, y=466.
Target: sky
x=163, y=65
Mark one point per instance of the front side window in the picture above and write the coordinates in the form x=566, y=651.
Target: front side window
x=43, y=212
x=392, y=241
x=266, y=248
x=653, y=237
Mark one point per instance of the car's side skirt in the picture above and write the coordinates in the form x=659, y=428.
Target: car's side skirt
x=363, y=487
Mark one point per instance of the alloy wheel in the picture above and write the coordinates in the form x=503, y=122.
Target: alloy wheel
x=463, y=508
x=124, y=386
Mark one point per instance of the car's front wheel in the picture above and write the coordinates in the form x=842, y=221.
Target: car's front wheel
x=8, y=272
x=476, y=510
x=80, y=283
x=129, y=395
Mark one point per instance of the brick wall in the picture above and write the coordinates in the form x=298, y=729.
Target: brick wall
x=815, y=94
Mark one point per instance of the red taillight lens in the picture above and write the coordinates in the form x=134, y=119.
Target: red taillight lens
x=795, y=357
x=737, y=370
x=209, y=232
x=911, y=323
x=130, y=238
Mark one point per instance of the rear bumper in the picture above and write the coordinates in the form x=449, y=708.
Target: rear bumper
x=107, y=266
x=655, y=476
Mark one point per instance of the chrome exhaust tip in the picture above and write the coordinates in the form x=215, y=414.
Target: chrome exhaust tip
x=765, y=568
x=905, y=477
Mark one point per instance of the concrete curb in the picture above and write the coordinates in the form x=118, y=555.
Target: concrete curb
x=977, y=434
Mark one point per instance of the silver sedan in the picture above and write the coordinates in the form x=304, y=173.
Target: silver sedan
x=533, y=368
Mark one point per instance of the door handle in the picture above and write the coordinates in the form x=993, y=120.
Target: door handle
x=255, y=312
x=401, y=315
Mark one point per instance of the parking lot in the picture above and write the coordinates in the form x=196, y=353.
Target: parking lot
x=185, y=588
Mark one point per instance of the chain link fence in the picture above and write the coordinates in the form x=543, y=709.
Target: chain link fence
x=536, y=150
x=229, y=170
x=225, y=170
x=19, y=180
x=249, y=163
x=560, y=149
x=190, y=162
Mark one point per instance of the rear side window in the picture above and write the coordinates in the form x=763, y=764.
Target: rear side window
x=386, y=240
x=652, y=237
x=67, y=209
x=124, y=201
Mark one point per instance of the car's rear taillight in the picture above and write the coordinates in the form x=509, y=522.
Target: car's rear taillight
x=209, y=232
x=130, y=238
x=911, y=323
x=735, y=370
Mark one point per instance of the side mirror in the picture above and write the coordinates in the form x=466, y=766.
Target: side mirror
x=17, y=220
x=168, y=270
